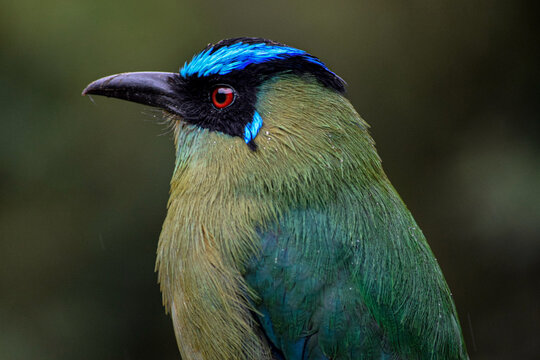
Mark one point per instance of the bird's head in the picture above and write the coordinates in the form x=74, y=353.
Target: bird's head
x=251, y=103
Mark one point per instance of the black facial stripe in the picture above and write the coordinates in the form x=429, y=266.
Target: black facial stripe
x=298, y=66
x=196, y=101
x=195, y=95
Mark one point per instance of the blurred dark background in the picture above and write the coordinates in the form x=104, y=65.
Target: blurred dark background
x=451, y=89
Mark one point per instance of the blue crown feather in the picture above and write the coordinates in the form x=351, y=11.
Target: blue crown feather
x=237, y=56
x=222, y=60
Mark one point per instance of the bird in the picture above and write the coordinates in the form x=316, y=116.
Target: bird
x=284, y=238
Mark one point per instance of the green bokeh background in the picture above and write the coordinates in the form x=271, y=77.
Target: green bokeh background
x=451, y=89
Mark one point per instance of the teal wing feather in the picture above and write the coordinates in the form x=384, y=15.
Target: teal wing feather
x=353, y=279
x=308, y=313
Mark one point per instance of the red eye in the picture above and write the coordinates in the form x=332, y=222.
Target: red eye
x=222, y=96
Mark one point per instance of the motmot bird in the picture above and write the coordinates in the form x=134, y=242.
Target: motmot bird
x=284, y=238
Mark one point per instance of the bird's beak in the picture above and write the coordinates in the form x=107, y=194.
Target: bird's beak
x=156, y=89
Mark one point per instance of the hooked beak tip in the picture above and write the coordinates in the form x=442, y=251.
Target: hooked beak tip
x=157, y=89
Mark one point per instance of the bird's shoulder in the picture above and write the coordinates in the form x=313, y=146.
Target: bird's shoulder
x=354, y=276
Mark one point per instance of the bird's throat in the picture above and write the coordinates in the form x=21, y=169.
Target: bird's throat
x=206, y=237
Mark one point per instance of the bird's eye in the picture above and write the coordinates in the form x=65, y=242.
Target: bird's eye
x=222, y=96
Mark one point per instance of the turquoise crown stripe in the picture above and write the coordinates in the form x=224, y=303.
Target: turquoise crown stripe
x=237, y=56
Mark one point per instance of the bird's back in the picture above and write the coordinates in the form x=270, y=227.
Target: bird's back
x=353, y=280
x=344, y=270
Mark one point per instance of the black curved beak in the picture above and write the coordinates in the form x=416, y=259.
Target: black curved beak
x=158, y=89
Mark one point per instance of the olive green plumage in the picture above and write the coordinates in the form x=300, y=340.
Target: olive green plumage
x=284, y=239
x=303, y=244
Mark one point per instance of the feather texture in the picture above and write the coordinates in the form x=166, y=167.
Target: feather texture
x=307, y=233
x=236, y=56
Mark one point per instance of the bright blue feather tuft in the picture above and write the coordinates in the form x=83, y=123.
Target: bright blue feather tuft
x=238, y=56
x=252, y=129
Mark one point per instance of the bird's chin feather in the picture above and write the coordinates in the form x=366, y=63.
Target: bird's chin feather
x=174, y=123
